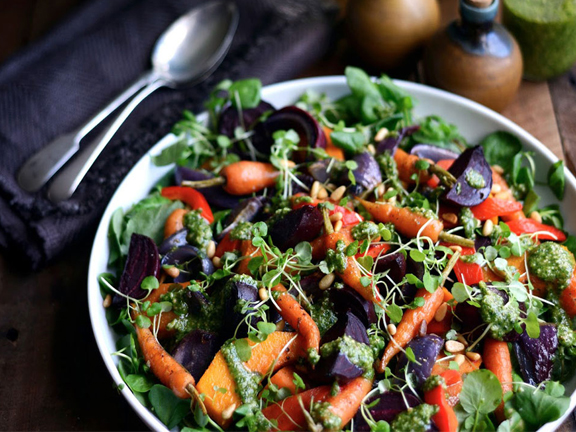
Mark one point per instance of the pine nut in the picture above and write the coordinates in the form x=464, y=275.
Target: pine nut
x=173, y=272
x=454, y=346
x=496, y=188
x=488, y=228
x=441, y=312
x=338, y=226
x=392, y=329
x=498, y=169
x=462, y=340
x=380, y=190
x=336, y=217
x=371, y=149
x=502, y=195
x=381, y=134
x=217, y=262
x=211, y=249
x=322, y=193
x=228, y=411
x=456, y=248
x=460, y=359
x=536, y=216
x=263, y=294
x=327, y=281
x=474, y=356
x=107, y=301
x=338, y=193
x=450, y=218
x=392, y=200
x=315, y=189
x=287, y=163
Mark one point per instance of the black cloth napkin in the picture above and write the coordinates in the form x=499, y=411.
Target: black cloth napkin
x=56, y=84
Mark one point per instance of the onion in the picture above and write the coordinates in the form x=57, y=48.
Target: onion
x=387, y=33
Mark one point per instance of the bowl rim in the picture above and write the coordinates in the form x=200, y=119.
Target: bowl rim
x=93, y=290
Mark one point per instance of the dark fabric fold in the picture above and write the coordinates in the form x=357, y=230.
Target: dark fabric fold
x=56, y=84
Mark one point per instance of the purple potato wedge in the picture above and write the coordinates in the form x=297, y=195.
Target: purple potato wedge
x=347, y=299
x=190, y=261
x=348, y=325
x=196, y=351
x=536, y=356
x=303, y=224
x=473, y=178
x=174, y=241
x=215, y=195
x=432, y=152
x=389, y=405
x=426, y=350
x=367, y=175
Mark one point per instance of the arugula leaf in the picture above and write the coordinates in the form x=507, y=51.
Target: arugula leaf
x=556, y=179
x=500, y=148
x=248, y=91
x=170, y=409
x=352, y=142
x=538, y=407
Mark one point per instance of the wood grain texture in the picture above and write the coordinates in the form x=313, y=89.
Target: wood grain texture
x=563, y=94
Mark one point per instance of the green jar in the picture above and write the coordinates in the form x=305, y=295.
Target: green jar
x=546, y=33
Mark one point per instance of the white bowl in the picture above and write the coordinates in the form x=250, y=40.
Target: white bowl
x=474, y=121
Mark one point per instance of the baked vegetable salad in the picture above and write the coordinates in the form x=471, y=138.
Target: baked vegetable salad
x=343, y=265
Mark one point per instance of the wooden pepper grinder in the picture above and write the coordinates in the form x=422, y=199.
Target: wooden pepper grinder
x=475, y=57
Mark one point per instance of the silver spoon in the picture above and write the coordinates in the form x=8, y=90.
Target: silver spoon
x=187, y=52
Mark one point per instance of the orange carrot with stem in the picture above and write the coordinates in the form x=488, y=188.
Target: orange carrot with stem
x=170, y=373
x=248, y=251
x=406, y=221
x=497, y=360
x=410, y=324
x=295, y=315
x=175, y=222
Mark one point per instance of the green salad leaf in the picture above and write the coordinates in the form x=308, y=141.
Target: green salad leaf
x=556, y=179
x=500, y=148
x=170, y=409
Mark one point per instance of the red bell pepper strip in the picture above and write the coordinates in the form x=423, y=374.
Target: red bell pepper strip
x=445, y=419
x=529, y=226
x=453, y=380
x=492, y=207
x=191, y=197
x=227, y=245
x=469, y=273
x=375, y=250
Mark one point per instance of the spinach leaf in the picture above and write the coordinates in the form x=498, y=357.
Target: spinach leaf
x=360, y=83
x=247, y=91
x=551, y=215
x=172, y=154
x=139, y=383
x=434, y=130
x=570, y=243
x=147, y=217
x=115, y=236
x=170, y=409
x=556, y=179
x=540, y=407
x=500, y=148
x=531, y=202
x=352, y=142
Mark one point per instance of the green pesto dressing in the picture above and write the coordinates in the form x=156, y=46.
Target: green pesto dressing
x=336, y=259
x=322, y=312
x=199, y=231
x=502, y=317
x=242, y=231
x=475, y=179
x=247, y=382
x=358, y=353
x=552, y=263
x=415, y=419
x=432, y=382
x=322, y=414
x=365, y=230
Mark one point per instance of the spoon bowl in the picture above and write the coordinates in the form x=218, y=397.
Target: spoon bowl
x=195, y=44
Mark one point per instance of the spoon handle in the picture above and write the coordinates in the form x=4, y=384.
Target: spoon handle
x=67, y=180
x=41, y=166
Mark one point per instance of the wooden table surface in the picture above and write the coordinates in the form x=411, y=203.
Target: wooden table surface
x=51, y=374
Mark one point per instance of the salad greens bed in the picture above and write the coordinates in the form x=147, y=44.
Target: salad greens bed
x=343, y=265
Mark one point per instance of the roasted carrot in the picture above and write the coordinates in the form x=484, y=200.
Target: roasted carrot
x=331, y=149
x=288, y=412
x=352, y=276
x=170, y=373
x=320, y=244
x=346, y=403
x=410, y=324
x=275, y=352
x=284, y=378
x=166, y=317
x=227, y=245
x=295, y=315
x=568, y=297
x=497, y=360
x=442, y=163
x=406, y=221
x=249, y=251
x=175, y=222
x=406, y=164
x=246, y=177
